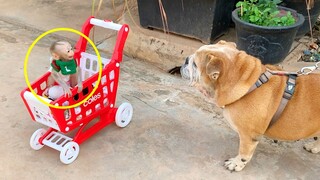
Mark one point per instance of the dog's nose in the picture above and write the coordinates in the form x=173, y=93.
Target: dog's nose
x=186, y=61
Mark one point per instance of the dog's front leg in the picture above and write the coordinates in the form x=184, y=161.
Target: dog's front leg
x=246, y=150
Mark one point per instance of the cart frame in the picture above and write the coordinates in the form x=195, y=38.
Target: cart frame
x=101, y=104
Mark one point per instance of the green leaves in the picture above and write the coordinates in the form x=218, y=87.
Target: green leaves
x=253, y=18
x=277, y=1
x=264, y=13
x=266, y=10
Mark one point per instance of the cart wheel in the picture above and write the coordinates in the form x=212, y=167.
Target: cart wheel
x=124, y=114
x=69, y=152
x=34, y=140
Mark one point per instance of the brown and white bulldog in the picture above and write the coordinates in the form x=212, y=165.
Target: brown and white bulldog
x=225, y=74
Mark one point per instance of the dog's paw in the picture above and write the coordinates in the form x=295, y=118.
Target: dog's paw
x=313, y=147
x=235, y=164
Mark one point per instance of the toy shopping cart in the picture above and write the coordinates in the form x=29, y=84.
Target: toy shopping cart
x=101, y=104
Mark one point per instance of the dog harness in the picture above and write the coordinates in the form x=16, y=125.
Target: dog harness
x=287, y=94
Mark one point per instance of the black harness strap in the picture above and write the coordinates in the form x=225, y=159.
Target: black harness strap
x=287, y=94
x=264, y=77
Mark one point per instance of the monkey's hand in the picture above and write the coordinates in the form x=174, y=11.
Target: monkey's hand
x=63, y=84
x=80, y=87
x=67, y=91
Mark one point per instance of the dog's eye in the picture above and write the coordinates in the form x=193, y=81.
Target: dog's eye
x=214, y=75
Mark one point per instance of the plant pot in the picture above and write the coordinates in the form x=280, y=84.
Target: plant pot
x=205, y=20
x=301, y=7
x=270, y=44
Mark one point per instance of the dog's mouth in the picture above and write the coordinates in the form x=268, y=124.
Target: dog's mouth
x=203, y=91
x=209, y=95
x=189, y=70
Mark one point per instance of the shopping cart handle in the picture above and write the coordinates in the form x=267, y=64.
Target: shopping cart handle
x=105, y=24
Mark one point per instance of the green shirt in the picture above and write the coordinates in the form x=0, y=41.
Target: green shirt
x=66, y=67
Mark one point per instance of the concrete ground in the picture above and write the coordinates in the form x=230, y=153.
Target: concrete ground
x=174, y=134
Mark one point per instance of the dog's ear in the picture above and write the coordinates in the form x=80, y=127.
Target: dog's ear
x=230, y=44
x=214, y=67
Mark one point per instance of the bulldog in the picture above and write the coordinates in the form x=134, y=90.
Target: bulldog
x=229, y=78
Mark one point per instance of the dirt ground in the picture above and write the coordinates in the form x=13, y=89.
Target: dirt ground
x=174, y=134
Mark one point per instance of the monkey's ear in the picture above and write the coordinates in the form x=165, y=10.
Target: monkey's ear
x=55, y=56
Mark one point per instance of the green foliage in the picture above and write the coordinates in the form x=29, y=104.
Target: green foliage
x=264, y=13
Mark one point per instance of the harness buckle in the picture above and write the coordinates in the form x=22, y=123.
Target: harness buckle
x=290, y=87
x=262, y=79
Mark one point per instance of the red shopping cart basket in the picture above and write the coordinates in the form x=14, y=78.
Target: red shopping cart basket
x=101, y=104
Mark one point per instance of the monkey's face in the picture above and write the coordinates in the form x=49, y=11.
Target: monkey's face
x=64, y=51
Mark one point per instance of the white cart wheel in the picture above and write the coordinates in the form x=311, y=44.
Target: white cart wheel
x=34, y=140
x=69, y=152
x=124, y=114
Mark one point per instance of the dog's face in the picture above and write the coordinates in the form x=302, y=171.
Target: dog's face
x=219, y=68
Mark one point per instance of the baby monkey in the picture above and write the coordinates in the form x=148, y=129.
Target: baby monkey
x=65, y=71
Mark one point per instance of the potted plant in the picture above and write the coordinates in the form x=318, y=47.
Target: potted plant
x=265, y=30
x=306, y=8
